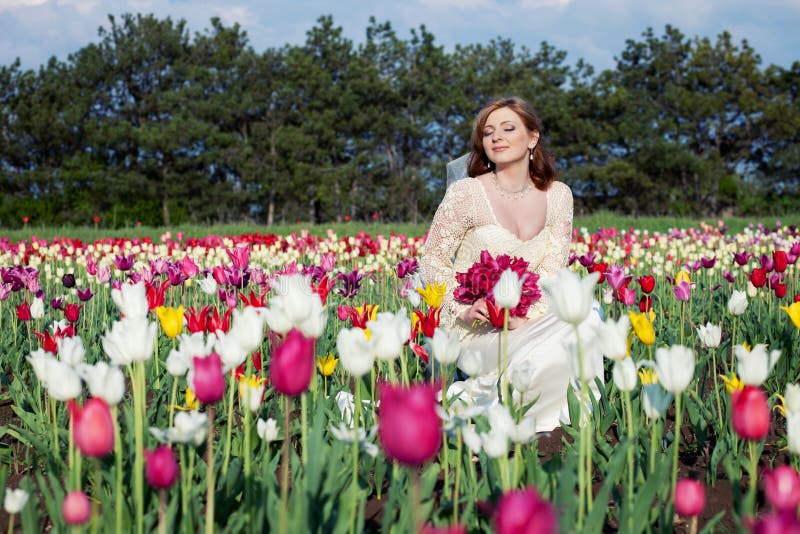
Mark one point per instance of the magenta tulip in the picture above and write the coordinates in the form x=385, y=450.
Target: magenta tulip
x=525, y=511
x=682, y=291
x=209, y=381
x=782, y=488
x=750, y=413
x=775, y=523
x=92, y=427
x=162, y=467
x=690, y=497
x=76, y=508
x=409, y=429
x=454, y=529
x=292, y=365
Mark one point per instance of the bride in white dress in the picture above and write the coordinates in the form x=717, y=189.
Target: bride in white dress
x=510, y=204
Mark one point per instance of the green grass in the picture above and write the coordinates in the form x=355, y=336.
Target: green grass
x=592, y=222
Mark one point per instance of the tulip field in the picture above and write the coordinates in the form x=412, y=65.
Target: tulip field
x=295, y=383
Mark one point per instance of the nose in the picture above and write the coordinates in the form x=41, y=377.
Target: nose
x=496, y=136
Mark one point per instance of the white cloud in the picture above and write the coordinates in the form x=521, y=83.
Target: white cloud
x=84, y=7
x=458, y=4
x=11, y=4
x=538, y=4
x=231, y=15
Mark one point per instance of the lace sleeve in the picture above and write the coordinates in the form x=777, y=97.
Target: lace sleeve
x=449, y=225
x=560, y=215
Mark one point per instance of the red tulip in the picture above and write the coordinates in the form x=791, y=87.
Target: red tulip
x=196, y=321
x=645, y=303
x=758, y=277
x=780, y=260
x=24, y=312
x=72, y=312
x=409, y=429
x=627, y=296
x=690, y=497
x=92, y=427
x=209, y=382
x=782, y=488
x=780, y=290
x=162, y=467
x=292, y=365
x=76, y=508
x=647, y=283
x=601, y=268
x=750, y=413
x=525, y=511
x=496, y=313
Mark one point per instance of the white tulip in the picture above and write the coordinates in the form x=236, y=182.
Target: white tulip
x=131, y=299
x=37, y=308
x=63, y=383
x=494, y=444
x=349, y=435
x=313, y=326
x=471, y=438
x=470, y=362
x=580, y=358
x=754, y=366
x=356, y=352
x=792, y=398
x=752, y=290
x=737, y=303
x=793, y=432
x=675, y=368
x=613, y=337
x=104, y=381
x=230, y=351
x=189, y=427
x=14, y=500
x=292, y=304
x=208, y=285
x=655, y=400
x=179, y=360
x=251, y=392
x=247, y=327
x=70, y=350
x=446, y=346
x=38, y=360
x=267, y=430
x=710, y=335
x=625, y=376
x=570, y=297
x=390, y=331
x=130, y=339
x=508, y=290
x=522, y=376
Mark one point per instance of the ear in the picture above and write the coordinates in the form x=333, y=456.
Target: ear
x=534, y=139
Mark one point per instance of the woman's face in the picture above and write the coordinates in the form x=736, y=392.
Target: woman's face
x=505, y=137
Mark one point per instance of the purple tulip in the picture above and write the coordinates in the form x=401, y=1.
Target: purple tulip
x=352, y=283
x=616, y=277
x=729, y=276
x=56, y=303
x=406, y=267
x=587, y=260
x=124, y=263
x=5, y=291
x=159, y=265
x=176, y=275
x=766, y=263
x=741, y=258
x=708, y=263
x=682, y=291
x=84, y=294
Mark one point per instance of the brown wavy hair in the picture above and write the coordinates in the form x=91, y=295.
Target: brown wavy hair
x=542, y=167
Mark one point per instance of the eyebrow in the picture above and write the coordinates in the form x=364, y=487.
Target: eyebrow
x=504, y=122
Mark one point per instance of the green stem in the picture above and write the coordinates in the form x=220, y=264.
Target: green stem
x=354, y=487
x=11, y=523
x=247, y=466
x=676, y=441
x=118, y=466
x=229, y=425
x=138, y=474
x=626, y=395
x=458, y=475
x=750, y=506
x=162, y=511
x=56, y=448
x=173, y=399
x=716, y=387
x=304, y=428
x=210, y=476
x=283, y=527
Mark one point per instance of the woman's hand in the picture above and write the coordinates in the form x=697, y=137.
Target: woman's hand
x=479, y=311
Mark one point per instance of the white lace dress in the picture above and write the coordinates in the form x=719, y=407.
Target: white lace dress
x=463, y=226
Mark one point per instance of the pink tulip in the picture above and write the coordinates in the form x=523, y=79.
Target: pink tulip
x=409, y=429
x=775, y=523
x=690, y=497
x=162, y=467
x=209, y=382
x=76, y=508
x=92, y=427
x=454, y=529
x=616, y=277
x=292, y=365
x=782, y=488
x=524, y=511
x=682, y=291
x=750, y=413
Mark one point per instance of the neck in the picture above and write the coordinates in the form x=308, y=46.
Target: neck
x=513, y=176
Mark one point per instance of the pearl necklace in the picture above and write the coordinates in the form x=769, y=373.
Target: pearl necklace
x=511, y=195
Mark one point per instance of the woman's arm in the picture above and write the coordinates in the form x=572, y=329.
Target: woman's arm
x=560, y=215
x=450, y=223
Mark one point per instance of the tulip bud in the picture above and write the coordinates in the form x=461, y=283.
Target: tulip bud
x=524, y=511
x=508, y=290
x=737, y=303
x=409, y=428
x=292, y=365
x=750, y=413
x=782, y=488
x=92, y=427
x=690, y=497
x=208, y=382
x=76, y=508
x=161, y=467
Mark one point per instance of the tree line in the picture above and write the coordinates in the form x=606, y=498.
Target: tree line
x=155, y=125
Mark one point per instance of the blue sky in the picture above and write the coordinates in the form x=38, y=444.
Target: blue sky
x=34, y=30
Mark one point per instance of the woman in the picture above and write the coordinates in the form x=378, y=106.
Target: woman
x=510, y=204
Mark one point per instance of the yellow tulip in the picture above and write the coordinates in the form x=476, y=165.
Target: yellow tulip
x=433, y=294
x=643, y=327
x=648, y=376
x=733, y=383
x=683, y=276
x=794, y=313
x=327, y=364
x=371, y=309
x=191, y=401
x=171, y=320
